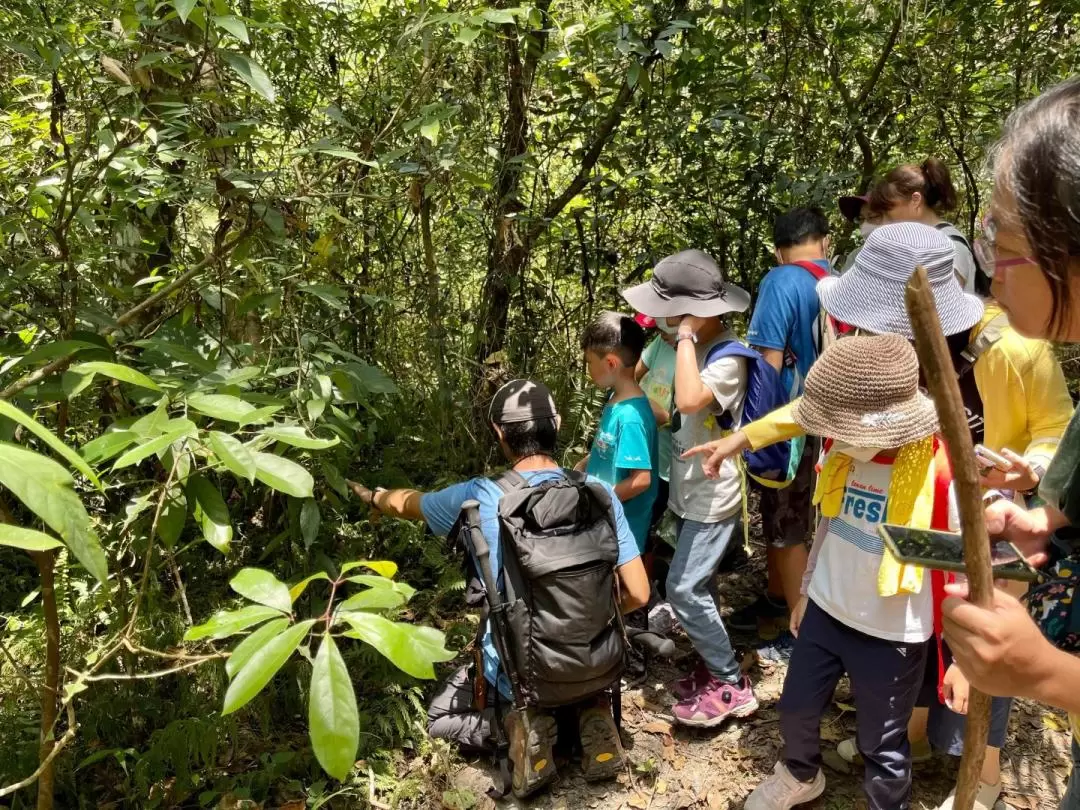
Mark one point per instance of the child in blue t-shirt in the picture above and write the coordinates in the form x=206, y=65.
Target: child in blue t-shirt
x=625, y=452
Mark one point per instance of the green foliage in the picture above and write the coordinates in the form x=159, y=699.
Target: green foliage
x=254, y=249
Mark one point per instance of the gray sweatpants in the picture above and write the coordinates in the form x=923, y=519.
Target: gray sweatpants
x=885, y=679
x=451, y=715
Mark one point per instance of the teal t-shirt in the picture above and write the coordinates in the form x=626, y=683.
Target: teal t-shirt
x=625, y=441
x=658, y=387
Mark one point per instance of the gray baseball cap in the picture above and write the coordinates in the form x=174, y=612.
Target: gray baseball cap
x=522, y=401
x=688, y=283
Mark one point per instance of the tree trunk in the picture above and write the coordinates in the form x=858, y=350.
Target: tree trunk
x=50, y=687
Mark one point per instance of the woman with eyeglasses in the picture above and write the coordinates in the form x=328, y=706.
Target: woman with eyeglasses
x=1033, y=251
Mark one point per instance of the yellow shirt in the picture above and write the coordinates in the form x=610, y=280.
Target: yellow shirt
x=1026, y=404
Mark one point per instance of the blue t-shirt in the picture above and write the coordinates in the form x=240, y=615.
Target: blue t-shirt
x=441, y=510
x=786, y=319
x=627, y=440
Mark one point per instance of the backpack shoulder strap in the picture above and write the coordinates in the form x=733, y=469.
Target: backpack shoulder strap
x=956, y=237
x=813, y=268
x=978, y=345
x=730, y=348
x=509, y=480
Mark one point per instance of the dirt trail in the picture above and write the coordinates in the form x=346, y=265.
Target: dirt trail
x=676, y=768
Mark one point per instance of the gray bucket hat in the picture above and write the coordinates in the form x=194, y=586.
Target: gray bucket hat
x=871, y=294
x=688, y=283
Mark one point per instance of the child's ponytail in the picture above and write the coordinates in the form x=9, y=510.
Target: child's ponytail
x=938, y=189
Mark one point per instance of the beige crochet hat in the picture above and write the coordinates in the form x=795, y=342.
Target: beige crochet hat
x=865, y=391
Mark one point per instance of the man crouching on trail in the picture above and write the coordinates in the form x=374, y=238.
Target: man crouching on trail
x=561, y=552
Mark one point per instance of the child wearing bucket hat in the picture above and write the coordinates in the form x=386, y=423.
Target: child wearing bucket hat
x=862, y=612
x=688, y=295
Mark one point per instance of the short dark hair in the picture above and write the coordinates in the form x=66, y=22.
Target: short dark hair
x=1039, y=162
x=617, y=334
x=931, y=178
x=535, y=437
x=798, y=226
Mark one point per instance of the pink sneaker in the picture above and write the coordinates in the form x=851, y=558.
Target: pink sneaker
x=689, y=685
x=715, y=703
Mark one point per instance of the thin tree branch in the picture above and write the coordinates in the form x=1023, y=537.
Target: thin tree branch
x=69, y=735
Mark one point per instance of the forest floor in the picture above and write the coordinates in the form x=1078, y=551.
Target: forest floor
x=673, y=768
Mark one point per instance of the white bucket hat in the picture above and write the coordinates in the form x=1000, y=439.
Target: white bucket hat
x=871, y=294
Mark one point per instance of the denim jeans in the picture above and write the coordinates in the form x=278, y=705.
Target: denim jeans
x=691, y=591
x=1071, y=799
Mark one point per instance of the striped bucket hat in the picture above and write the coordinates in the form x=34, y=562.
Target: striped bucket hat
x=871, y=294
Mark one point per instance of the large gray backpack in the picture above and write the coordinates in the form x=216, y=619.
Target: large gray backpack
x=557, y=622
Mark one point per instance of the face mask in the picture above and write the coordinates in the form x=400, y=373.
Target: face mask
x=867, y=228
x=662, y=325
x=863, y=454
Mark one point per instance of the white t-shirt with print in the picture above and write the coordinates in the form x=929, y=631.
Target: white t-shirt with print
x=693, y=496
x=845, y=580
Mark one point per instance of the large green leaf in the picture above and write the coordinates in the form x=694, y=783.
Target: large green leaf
x=179, y=430
x=252, y=73
x=309, y=522
x=227, y=623
x=385, y=568
x=184, y=8
x=411, y=648
x=47, y=436
x=333, y=719
x=296, y=590
x=234, y=25
x=374, y=599
x=407, y=591
x=260, y=416
x=211, y=513
x=220, y=406
x=232, y=453
x=26, y=539
x=283, y=475
x=107, y=445
x=262, y=587
x=298, y=437
x=247, y=648
x=263, y=665
x=173, y=516
x=46, y=489
x=117, y=372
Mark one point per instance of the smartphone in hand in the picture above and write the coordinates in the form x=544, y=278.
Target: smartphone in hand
x=944, y=551
x=988, y=459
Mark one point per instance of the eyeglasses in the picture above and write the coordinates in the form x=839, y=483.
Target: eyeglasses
x=985, y=249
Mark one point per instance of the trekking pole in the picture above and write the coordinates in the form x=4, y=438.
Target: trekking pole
x=940, y=375
x=496, y=606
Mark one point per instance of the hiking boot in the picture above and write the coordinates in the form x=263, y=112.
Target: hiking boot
x=985, y=798
x=716, y=703
x=848, y=750
x=689, y=685
x=601, y=748
x=782, y=791
x=765, y=610
x=531, y=734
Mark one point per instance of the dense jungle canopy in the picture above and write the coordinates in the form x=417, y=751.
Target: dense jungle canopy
x=251, y=247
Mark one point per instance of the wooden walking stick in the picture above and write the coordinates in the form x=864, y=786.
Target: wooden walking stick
x=942, y=383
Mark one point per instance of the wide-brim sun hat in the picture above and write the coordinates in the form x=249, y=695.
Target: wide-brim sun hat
x=871, y=294
x=864, y=391
x=688, y=283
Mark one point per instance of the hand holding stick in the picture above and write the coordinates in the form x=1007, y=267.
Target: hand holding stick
x=940, y=375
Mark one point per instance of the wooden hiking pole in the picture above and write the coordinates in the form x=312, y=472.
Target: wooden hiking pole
x=940, y=375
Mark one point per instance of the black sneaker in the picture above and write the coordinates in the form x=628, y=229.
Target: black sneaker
x=601, y=748
x=532, y=735
x=750, y=618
